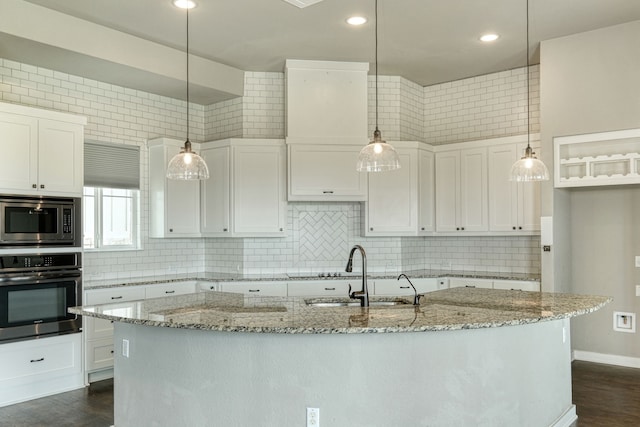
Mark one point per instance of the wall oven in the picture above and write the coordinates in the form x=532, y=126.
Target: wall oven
x=40, y=221
x=35, y=292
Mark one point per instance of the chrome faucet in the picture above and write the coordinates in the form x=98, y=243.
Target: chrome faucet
x=416, y=297
x=362, y=295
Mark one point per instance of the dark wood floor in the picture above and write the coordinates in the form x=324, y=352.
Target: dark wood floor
x=605, y=396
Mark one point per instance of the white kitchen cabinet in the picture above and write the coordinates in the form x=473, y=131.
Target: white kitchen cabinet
x=519, y=285
x=245, y=196
x=462, y=282
x=256, y=288
x=98, y=333
x=320, y=288
x=321, y=172
x=38, y=368
x=42, y=151
x=402, y=287
x=174, y=205
x=169, y=289
x=426, y=191
x=461, y=190
x=513, y=206
x=392, y=205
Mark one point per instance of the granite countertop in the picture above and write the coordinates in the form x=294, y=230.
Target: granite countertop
x=448, y=309
x=89, y=283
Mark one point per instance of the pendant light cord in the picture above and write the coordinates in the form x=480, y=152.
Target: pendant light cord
x=376, y=60
x=187, y=75
x=528, y=100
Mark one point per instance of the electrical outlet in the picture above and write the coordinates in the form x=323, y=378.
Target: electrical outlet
x=313, y=417
x=125, y=348
x=624, y=322
x=638, y=290
x=637, y=260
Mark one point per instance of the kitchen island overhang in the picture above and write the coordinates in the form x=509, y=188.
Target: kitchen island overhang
x=255, y=363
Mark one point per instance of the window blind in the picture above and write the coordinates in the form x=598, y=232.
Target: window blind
x=111, y=165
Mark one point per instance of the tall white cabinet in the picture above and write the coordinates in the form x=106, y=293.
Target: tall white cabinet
x=246, y=194
x=42, y=151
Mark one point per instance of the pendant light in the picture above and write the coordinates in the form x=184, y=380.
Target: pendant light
x=377, y=155
x=187, y=165
x=529, y=168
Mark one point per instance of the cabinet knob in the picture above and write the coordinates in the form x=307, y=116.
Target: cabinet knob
x=41, y=185
x=370, y=228
x=514, y=227
x=422, y=228
x=171, y=230
x=34, y=186
x=225, y=229
x=458, y=228
x=462, y=228
x=519, y=228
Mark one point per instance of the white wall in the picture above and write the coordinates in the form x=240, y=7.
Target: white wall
x=590, y=84
x=127, y=116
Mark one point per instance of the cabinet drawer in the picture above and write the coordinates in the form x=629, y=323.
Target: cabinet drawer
x=402, y=286
x=99, y=354
x=207, y=286
x=457, y=282
x=113, y=295
x=257, y=288
x=97, y=328
x=55, y=355
x=519, y=285
x=169, y=289
x=319, y=288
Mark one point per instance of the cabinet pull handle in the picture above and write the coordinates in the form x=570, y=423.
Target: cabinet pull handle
x=41, y=185
x=212, y=288
x=37, y=360
x=469, y=286
x=120, y=297
x=329, y=289
x=404, y=287
x=169, y=292
x=225, y=229
x=254, y=290
x=327, y=192
x=34, y=186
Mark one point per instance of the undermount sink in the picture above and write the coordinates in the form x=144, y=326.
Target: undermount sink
x=385, y=303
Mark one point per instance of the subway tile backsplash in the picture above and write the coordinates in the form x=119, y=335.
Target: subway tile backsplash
x=319, y=235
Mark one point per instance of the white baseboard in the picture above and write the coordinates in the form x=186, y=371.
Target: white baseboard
x=608, y=359
x=567, y=418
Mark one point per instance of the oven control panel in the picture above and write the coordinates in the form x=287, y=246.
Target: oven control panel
x=35, y=262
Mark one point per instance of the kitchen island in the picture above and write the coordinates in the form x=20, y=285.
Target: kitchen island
x=464, y=356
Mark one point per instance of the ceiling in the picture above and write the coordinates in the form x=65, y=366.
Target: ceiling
x=425, y=41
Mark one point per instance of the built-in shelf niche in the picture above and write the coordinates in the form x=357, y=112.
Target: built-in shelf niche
x=604, y=158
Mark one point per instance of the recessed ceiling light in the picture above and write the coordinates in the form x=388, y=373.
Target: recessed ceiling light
x=184, y=4
x=356, y=20
x=489, y=37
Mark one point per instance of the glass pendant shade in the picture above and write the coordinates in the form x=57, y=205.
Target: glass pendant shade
x=378, y=156
x=529, y=168
x=187, y=165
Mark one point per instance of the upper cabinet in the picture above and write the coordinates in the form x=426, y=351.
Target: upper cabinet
x=174, y=205
x=513, y=206
x=461, y=190
x=42, y=151
x=327, y=110
x=400, y=202
x=245, y=196
x=604, y=158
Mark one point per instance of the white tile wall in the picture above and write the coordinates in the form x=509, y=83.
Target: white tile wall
x=488, y=106
x=128, y=116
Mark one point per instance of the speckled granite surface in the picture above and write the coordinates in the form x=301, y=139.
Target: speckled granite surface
x=449, y=309
x=89, y=283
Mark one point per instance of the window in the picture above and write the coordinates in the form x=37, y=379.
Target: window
x=110, y=218
x=111, y=196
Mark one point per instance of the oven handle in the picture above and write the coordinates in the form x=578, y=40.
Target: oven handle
x=30, y=277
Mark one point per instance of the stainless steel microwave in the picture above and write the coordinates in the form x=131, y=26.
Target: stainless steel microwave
x=40, y=221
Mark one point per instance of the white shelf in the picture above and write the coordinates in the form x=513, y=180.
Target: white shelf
x=605, y=158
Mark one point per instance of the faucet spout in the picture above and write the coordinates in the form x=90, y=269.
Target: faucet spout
x=362, y=295
x=416, y=296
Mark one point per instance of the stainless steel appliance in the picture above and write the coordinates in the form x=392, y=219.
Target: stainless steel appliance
x=35, y=292
x=40, y=221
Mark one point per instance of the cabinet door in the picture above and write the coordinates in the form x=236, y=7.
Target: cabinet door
x=392, y=208
x=447, y=190
x=60, y=157
x=325, y=173
x=19, y=159
x=473, y=190
x=182, y=204
x=426, y=192
x=215, y=193
x=529, y=198
x=259, y=205
x=503, y=193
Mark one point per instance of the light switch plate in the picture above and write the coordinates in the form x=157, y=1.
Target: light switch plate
x=638, y=290
x=637, y=260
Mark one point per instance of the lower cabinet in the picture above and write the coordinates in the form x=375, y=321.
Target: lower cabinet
x=37, y=368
